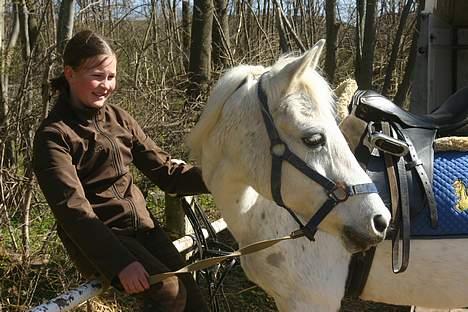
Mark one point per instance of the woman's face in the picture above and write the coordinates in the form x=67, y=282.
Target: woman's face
x=91, y=85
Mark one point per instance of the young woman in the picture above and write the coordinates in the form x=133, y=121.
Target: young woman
x=82, y=153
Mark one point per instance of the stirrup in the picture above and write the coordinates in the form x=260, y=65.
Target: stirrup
x=385, y=143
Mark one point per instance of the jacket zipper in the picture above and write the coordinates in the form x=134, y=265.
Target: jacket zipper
x=118, y=166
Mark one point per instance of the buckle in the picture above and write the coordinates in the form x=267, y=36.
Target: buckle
x=339, y=193
x=386, y=143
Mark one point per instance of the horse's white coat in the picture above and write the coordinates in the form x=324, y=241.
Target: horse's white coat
x=232, y=146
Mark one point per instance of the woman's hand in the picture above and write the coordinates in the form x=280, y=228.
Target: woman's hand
x=134, y=278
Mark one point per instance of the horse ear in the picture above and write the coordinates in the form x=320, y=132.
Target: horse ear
x=308, y=60
x=315, y=52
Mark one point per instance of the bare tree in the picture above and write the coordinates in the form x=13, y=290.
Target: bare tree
x=404, y=86
x=221, y=44
x=186, y=32
x=2, y=23
x=200, y=48
x=283, y=35
x=65, y=23
x=365, y=39
x=332, y=28
x=396, y=47
x=7, y=53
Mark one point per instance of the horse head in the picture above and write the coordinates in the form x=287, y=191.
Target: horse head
x=234, y=145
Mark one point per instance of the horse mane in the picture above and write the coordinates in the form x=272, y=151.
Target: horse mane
x=221, y=92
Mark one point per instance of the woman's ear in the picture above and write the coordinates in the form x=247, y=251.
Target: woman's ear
x=68, y=72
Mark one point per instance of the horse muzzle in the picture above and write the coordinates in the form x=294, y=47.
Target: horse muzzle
x=356, y=241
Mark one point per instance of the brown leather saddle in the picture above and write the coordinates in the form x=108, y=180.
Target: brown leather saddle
x=395, y=147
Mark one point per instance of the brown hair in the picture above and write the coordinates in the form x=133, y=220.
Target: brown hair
x=83, y=46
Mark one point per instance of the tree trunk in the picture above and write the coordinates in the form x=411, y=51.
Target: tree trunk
x=65, y=24
x=366, y=42
x=396, y=48
x=332, y=28
x=221, y=45
x=25, y=103
x=2, y=25
x=200, y=48
x=283, y=36
x=186, y=32
x=5, y=134
x=404, y=86
x=289, y=27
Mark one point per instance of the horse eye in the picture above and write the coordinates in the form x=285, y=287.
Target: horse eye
x=314, y=141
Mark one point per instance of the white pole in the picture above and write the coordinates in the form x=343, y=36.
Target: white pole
x=72, y=298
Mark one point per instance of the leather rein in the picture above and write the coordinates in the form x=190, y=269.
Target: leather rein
x=337, y=192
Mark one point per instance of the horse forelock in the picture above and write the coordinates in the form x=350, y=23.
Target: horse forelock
x=220, y=94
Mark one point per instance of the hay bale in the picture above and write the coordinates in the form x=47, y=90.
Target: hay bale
x=344, y=92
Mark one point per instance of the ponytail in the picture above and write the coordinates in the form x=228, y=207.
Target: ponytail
x=60, y=84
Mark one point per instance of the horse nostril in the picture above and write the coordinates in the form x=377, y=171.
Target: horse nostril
x=379, y=223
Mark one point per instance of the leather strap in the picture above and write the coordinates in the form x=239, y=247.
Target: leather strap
x=206, y=263
x=391, y=175
x=425, y=181
x=358, y=272
x=402, y=233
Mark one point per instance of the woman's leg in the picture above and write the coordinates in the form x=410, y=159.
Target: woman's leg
x=168, y=296
x=158, y=243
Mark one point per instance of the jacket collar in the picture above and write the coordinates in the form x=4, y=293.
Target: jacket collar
x=81, y=113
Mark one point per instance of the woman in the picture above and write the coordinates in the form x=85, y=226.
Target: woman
x=82, y=153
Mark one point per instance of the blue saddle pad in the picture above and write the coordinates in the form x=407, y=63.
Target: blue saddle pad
x=450, y=184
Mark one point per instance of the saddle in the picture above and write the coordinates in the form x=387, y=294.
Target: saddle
x=395, y=147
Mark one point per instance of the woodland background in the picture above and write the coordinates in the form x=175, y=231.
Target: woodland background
x=170, y=52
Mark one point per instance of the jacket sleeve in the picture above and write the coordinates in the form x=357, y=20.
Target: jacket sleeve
x=65, y=195
x=156, y=164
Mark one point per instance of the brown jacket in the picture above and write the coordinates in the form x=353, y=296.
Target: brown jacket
x=81, y=161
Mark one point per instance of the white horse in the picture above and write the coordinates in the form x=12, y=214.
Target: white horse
x=233, y=148
x=232, y=145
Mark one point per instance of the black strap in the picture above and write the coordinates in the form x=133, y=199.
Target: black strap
x=358, y=272
x=415, y=163
x=402, y=233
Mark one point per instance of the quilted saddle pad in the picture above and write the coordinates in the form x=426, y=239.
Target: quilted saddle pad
x=450, y=184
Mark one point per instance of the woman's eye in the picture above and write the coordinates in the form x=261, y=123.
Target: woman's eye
x=314, y=141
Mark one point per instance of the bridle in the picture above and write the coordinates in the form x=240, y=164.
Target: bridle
x=337, y=192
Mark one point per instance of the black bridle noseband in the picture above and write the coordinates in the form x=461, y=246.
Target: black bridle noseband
x=337, y=192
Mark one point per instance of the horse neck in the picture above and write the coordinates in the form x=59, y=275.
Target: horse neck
x=249, y=215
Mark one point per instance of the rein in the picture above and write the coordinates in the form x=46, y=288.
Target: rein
x=337, y=192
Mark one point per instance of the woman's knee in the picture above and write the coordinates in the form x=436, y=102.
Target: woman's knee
x=170, y=295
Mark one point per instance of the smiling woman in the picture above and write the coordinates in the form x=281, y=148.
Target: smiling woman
x=82, y=154
x=93, y=82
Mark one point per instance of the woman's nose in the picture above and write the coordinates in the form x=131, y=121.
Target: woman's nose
x=105, y=84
